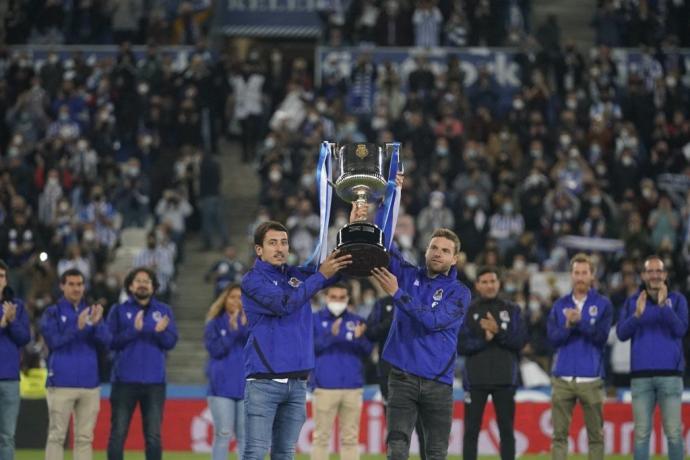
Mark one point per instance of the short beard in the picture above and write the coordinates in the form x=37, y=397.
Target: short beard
x=142, y=297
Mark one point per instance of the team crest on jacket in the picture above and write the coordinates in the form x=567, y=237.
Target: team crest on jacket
x=504, y=316
x=438, y=295
x=129, y=315
x=157, y=316
x=593, y=310
x=294, y=282
x=223, y=332
x=350, y=325
x=63, y=318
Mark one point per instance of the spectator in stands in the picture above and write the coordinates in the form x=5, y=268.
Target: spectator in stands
x=491, y=337
x=225, y=336
x=275, y=297
x=160, y=261
x=73, y=331
x=14, y=334
x=656, y=319
x=143, y=331
x=578, y=328
x=248, y=87
x=427, y=21
x=340, y=348
x=213, y=224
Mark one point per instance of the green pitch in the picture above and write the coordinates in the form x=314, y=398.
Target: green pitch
x=38, y=454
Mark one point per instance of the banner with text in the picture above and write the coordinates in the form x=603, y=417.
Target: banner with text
x=188, y=426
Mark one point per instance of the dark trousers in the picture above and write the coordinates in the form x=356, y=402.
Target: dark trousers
x=411, y=397
x=504, y=406
x=383, y=370
x=123, y=401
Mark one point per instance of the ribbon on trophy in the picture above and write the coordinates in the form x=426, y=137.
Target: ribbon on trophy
x=387, y=214
x=325, y=197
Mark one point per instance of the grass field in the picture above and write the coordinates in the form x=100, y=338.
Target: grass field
x=38, y=454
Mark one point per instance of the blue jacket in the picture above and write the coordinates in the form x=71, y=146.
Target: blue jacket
x=580, y=349
x=73, y=358
x=339, y=357
x=12, y=339
x=140, y=355
x=225, y=369
x=657, y=336
x=281, y=334
x=428, y=315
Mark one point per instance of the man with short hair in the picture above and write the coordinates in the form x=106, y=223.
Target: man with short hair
x=491, y=338
x=14, y=334
x=73, y=331
x=578, y=327
x=279, y=354
x=421, y=347
x=143, y=330
x=340, y=347
x=656, y=320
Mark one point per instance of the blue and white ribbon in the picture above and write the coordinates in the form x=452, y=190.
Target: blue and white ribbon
x=325, y=195
x=387, y=214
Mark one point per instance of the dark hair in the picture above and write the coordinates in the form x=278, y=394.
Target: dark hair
x=70, y=272
x=4, y=266
x=487, y=269
x=262, y=229
x=339, y=285
x=449, y=235
x=129, y=279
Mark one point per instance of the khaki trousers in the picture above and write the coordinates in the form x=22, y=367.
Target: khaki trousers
x=347, y=405
x=564, y=395
x=84, y=403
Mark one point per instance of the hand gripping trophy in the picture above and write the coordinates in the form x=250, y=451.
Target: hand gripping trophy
x=360, y=178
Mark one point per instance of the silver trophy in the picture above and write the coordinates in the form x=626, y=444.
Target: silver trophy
x=360, y=179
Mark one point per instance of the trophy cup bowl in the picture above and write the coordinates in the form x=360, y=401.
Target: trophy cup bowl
x=360, y=180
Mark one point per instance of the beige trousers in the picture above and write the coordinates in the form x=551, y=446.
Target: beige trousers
x=347, y=405
x=84, y=403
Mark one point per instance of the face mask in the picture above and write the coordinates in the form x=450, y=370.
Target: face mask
x=275, y=176
x=518, y=104
x=307, y=180
x=472, y=201
x=321, y=106
x=571, y=104
x=507, y=208
x=519, y=264
x=405, y=241
x=536, y=153
x=442, y=151
x=53, y=181
x=534, y=305
x=565, y=140
x=436, y=204
x=336, y=308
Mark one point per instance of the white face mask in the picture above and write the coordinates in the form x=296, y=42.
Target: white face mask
x=336, y=308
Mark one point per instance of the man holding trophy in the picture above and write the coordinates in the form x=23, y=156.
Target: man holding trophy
x=430, y=302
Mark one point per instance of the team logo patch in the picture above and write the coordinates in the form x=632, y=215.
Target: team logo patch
x=324, y=323
x=294, y=282
x=129, y=315
x=438, y=295
x=668, y=303
x=389, y=307
x=223, y=332
x=157, y=316
x=350, y=325
x=504, y=315
x=476, y=316
x=593, y=310
x=416, y=283
x=63, y=318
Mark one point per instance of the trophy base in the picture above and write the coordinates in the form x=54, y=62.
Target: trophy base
x=364, y=241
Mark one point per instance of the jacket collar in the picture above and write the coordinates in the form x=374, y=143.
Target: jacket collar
x=64, y=303
x=266, y=267
x=452, y=274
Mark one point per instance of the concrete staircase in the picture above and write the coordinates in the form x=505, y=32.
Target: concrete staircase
x=193, y=296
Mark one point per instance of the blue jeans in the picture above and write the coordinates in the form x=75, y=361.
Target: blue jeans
x=228, y=419
x=646, y=393
x=9, y=404
x=123, y=401
x=275, y=413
